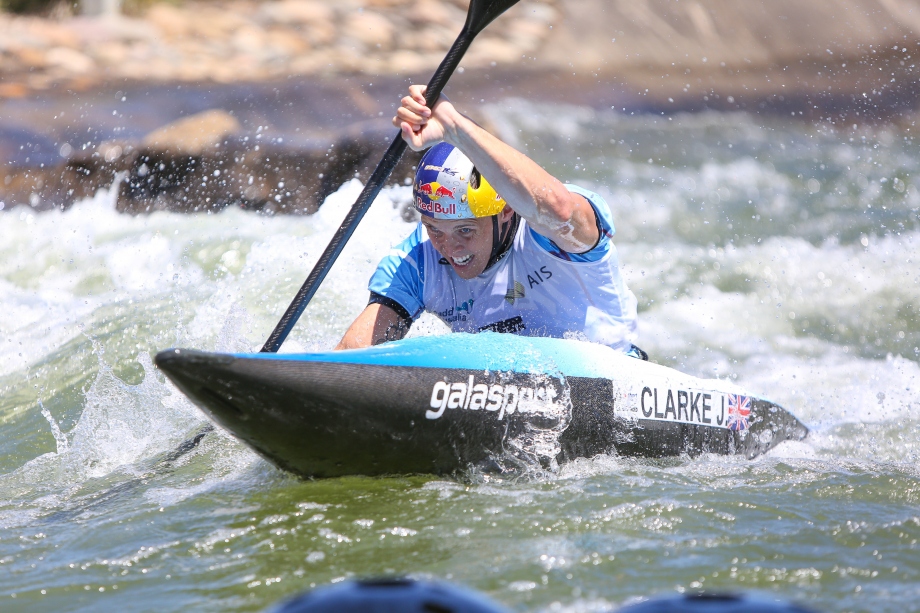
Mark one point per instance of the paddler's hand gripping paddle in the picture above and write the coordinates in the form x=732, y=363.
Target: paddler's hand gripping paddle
x=480, y=14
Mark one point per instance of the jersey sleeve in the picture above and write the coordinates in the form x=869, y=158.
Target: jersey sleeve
x=400, y=274
x=606, y=230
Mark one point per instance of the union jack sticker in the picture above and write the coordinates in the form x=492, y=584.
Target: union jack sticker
x=739, y=410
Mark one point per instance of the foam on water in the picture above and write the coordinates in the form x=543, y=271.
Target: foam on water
x=745, y=310
x=122, y=288
x=795, y=278
x=784, y=257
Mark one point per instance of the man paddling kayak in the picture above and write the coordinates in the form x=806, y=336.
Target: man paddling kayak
x=537, y=260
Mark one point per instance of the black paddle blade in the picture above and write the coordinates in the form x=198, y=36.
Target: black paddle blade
x=483, y=12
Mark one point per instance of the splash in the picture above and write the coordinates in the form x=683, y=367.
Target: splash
x=532, y=442
x=120, y=426
x=59, y=439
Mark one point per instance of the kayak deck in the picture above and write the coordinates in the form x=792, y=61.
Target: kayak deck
x=403, y=408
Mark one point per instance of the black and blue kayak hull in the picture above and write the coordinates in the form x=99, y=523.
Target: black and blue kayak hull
x=442, y=404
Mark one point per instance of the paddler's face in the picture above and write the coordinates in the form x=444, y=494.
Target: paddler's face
x=465, y=243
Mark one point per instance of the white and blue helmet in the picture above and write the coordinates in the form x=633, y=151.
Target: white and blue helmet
x=448, y=186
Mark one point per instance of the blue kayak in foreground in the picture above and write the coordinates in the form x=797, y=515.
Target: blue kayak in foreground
x=443, y=404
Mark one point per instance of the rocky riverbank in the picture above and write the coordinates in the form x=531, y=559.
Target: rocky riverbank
x=678, y=50
x=244, y=40
x=279, y=101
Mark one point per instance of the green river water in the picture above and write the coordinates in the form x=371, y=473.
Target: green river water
x=780, y=254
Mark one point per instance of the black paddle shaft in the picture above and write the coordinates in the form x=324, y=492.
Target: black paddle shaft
x=480, y=14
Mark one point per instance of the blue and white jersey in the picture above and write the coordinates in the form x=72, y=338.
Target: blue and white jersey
x=536, y=289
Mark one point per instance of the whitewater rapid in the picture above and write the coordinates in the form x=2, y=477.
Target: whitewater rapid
x=777, y=254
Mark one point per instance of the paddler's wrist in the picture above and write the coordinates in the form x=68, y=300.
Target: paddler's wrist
x=456, y=128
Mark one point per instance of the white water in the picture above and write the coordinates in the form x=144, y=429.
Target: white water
x=805, y=294
x=89, y=280
x=91, y=294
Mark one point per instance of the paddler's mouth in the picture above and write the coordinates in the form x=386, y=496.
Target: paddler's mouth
x=462, y=261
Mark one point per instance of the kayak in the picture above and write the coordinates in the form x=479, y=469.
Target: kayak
x=445, y=404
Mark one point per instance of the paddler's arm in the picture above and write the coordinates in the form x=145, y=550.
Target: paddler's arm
x=551, y=210
x=376, y=324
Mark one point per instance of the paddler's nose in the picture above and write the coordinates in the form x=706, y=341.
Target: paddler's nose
x=453, y=247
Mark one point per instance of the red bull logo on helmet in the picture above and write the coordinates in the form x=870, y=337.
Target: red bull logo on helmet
x=435, y=208
x=435, y=191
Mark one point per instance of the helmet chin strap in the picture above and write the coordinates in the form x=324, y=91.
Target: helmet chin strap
x=501, y=240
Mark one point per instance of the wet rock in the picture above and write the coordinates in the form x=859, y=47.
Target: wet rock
x=194, y=134
x=45, y=188
x=267, y=178
x=191, y=173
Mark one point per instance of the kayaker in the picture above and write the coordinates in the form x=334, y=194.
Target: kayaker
x=536, y=260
